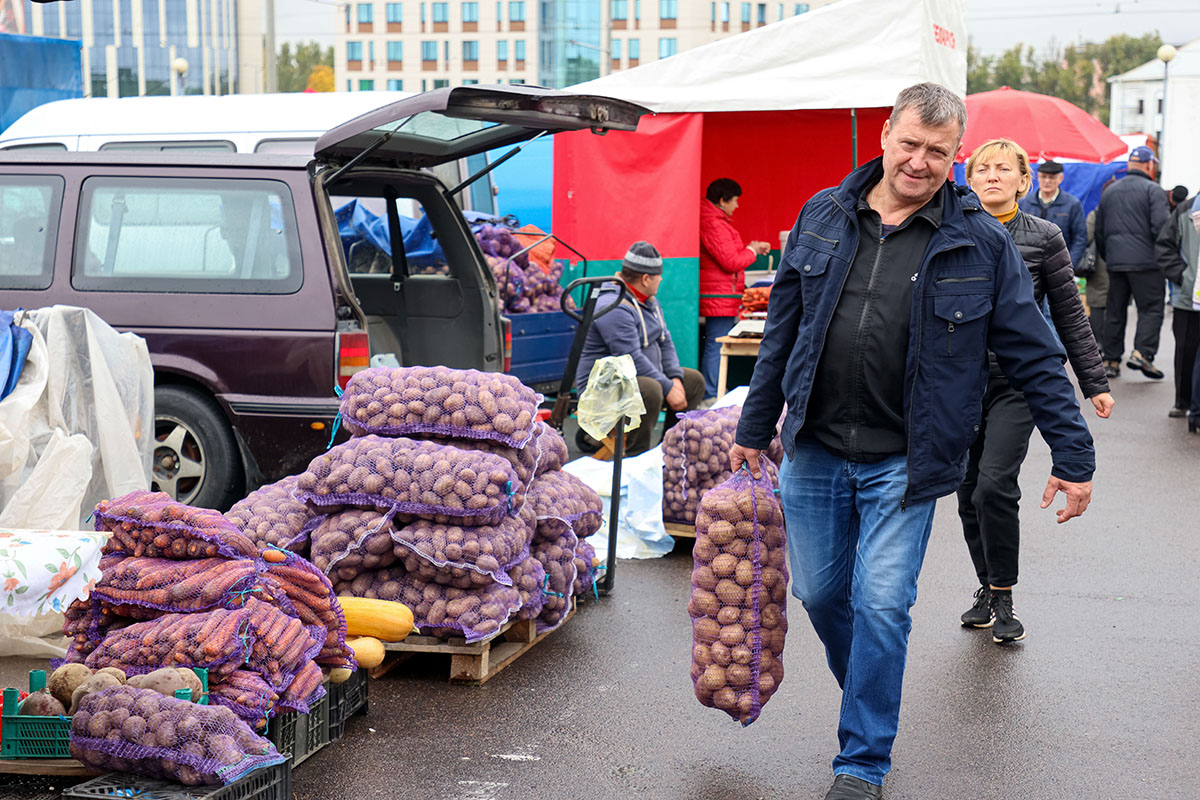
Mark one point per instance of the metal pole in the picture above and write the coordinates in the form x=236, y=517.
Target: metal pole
x=854, y=138
x=614, y=507
x=1162, y=134
x=271, y=70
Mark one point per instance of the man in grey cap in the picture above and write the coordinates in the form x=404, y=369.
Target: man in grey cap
x=637, y=328
x=1050, y=202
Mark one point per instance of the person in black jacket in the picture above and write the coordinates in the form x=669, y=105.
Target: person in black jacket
x=1129, y=218
x=989, y=497
x=1178, y=264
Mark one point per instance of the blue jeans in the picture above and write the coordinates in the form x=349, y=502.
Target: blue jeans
x=855, y=558
x=710, y=357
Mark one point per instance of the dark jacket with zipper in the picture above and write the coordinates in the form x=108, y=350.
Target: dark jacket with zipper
x=970, y=293
x=1131, y=214
x=1045, y=253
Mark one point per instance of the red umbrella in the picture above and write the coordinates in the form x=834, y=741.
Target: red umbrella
x=1047, y=127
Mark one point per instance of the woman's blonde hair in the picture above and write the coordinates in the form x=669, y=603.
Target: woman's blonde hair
x=989, y=150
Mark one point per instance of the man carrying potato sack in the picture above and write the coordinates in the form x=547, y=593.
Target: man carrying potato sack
x=637, y=328
x=893, y=287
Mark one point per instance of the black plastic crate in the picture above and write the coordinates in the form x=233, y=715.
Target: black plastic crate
x=317, y=730
x=299, y=736
x=267, y=783
x=345, y=700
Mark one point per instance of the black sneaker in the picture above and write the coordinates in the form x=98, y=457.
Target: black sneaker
x=979, y=615
x=1112, y=369
x=1177, y=413
x=1005, y=625
x=1137, y=361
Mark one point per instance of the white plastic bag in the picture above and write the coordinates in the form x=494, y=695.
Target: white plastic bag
x=611, y=391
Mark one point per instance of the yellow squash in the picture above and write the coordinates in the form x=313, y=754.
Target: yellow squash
x=383, y=619
x=368, y=651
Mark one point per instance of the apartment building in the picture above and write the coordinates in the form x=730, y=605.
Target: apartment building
x=417, y=45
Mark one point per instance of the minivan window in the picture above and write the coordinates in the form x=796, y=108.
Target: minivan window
x=29, y=208
x=219, y=145
x=187, y=235
x=291, y=147
x=36, y=146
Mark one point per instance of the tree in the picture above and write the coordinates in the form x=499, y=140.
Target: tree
x=321, y=79
x=295, y=67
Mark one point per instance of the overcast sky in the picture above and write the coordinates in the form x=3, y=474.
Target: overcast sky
x=994, y=25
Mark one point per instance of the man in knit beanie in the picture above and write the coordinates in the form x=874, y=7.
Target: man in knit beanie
x=637, y=328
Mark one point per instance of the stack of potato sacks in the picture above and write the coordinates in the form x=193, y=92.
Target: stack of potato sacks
x=182, y=587
x=449, y=498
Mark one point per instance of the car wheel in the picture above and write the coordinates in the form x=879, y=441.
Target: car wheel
x=195, y=456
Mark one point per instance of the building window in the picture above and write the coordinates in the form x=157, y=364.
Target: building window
x=616, y=50
x=668, y=9
x=395, y=12
x=745, y=13
x=635, y=49
x=637, y=9
x=519, y=50
x=470, y=81
x=666, y=47
x=354, y=51
x=440, y=83
x=347, y=23
x=446, y=51
x=371, y=51
x=470, y=50
x=395, y=51
x=499, y=13
x=502, y=50
x=422, y=15
x=620, y=9
x=516, y=81
x=516, y=11
x=429, y=51
x=1141, y=106
x=366, y=85
x=395, y=85
x=366, y=13
x=762, y=13
x=470, y=12
x=441, y=12
x=781, y=10
x=725, y=13
x=801, y=8
x=1160, y=105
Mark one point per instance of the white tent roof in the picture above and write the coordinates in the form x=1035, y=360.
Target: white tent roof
x=849, y=54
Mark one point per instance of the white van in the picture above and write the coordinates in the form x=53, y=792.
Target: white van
x=288, y=124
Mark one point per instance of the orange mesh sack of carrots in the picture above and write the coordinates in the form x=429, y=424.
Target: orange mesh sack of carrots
x=152, y=524
x=756, y=298
x=543, y=253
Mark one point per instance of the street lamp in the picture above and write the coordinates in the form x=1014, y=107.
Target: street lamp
x=179, y=66
x=1165, y=54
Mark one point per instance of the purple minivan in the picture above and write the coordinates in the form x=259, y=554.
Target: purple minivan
x=232, y=268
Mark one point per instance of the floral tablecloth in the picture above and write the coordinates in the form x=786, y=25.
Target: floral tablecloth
x=43, y=571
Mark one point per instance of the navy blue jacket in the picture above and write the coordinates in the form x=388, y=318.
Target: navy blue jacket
x=971, y=293
x=1067, y=213
x=1131, y=214
x=635, y=328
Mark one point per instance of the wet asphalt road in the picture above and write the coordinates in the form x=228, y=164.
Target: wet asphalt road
x=1100, y=701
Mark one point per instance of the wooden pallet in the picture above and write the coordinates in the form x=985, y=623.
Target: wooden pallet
x=46, y=766
x=472, y=663
x=680, y=529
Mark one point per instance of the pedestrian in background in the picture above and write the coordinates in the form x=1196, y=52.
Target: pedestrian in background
x=989, y=498
x=1050, y=202
x=724, y=259
x=1176, y=253
x=1130, y=216
x=1095, y=271
x=892, y=288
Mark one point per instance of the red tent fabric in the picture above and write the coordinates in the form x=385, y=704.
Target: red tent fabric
x=1047, y=127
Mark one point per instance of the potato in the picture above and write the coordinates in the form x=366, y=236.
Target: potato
x=165, y=681
x=706, y=630
x=116, y=673
x=725, y=698
x=93, y=684
x=64, y=680
x=713, y=677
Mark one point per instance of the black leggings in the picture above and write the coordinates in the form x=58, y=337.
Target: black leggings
x=989, y=498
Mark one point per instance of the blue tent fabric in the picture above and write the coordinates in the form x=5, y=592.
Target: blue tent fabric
x=37, y=70
x=14, y=348
x=1084, y=181
x=356, y=223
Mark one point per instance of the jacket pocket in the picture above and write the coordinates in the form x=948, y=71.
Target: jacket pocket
x=965, y=319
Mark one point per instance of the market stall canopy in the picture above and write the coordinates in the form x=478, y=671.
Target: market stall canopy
x=850, y=54
x=1047, y=127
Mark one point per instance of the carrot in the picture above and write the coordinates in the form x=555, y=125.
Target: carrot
x=274, y=556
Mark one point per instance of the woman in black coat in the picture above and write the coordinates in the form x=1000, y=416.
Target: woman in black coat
x=989, y=497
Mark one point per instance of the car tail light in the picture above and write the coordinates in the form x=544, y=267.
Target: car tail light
x=507, y=342
x=353, y=354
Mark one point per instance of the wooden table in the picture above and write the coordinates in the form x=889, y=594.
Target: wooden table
x=734, y=346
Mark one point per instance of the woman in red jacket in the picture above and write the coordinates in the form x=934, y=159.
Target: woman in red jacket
x=723, y=262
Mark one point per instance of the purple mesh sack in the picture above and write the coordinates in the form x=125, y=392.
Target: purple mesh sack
x=145, y=733
x=552, y=450
x=375, y=584
x=350, y=541
x=562, y=496
x=525, y=461
x=585, y=569
x=739, y=596
x=420, y=478
x=152, y=524
x=314, y=602
x=696, y=458
x=247, y=695
x=558, y=559
x=304, y=690
x=529, y=579
x=488, y=550
x=171, y=585
x=450, y=403
x=272, y=517
x=510, y=278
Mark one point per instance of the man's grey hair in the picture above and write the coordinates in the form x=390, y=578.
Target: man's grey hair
x=935, y=104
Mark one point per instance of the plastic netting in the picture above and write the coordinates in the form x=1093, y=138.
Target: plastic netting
x=272, y=517
x=454, y=403
x=173, y=585
x=696, y=458
x=510, y=280
x=739, y=596
x=552, y=449
x=562, y=496
x=376, y=584
x=248, y=696
x=257, y=636
x=586, y=567
x=350, y=541
x=314, y=602
x=304, y=690
x=422, y=478
x=558, y=559
x=529, y=579
x=525, y=461
x=142, y=732
x=488, y=550
x=152, y=524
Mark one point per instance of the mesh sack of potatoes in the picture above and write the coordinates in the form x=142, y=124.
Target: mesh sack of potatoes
x=488, y=550
x=561, y=496
x=558, y=559
x=272, y=517
x=739, y=596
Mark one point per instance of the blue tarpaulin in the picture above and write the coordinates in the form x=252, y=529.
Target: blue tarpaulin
x=1084, y=181
x=14, y=347
x=357, y=223
x=37, y=70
